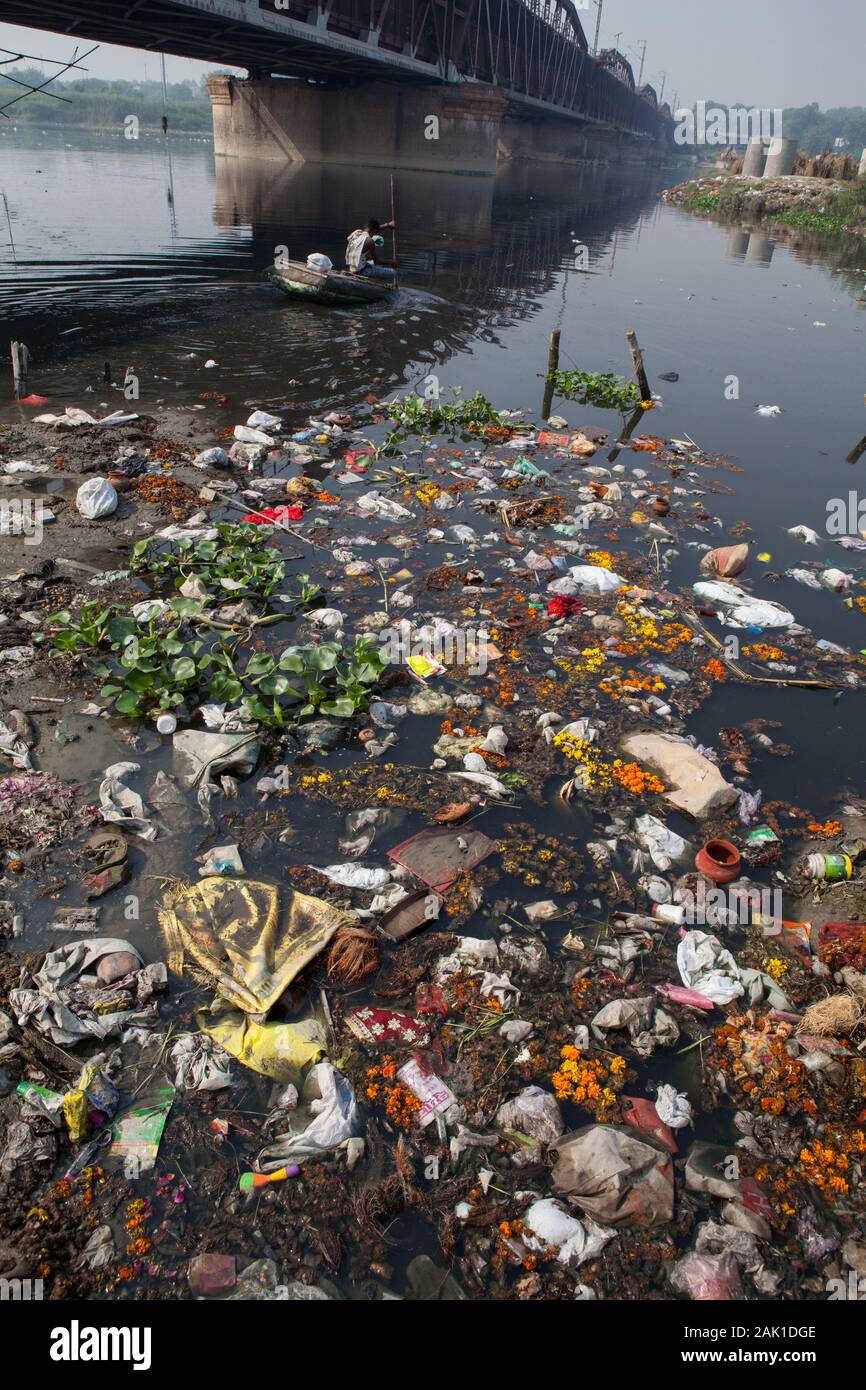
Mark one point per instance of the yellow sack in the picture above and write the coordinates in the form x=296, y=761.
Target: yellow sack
x=278, y=1050
x=236, y=931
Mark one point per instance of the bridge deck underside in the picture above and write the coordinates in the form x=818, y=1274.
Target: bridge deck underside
x=529, y=49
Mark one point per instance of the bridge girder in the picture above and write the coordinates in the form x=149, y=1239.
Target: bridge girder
x=535, y=51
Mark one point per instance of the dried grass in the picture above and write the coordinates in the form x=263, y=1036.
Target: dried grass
x=832, y=1017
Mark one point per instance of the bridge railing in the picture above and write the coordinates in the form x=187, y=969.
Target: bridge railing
x=533, y=49
x=537, y=49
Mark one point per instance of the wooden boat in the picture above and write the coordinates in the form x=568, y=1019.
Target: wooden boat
x=329, y=286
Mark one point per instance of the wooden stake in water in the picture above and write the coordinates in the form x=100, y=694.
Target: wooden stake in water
x=20, y=363
x=9, y=225
x=857, y=452
x=552, y=369
x=637, y=364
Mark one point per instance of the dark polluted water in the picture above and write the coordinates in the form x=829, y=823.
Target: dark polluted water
x=148, y=259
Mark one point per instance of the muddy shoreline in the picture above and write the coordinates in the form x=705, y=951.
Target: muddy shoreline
x=798, y=209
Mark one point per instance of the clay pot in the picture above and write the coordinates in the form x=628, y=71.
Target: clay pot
x=661, y=506
x=719, y=861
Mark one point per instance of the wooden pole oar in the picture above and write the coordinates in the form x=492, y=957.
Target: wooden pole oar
x=393, y=231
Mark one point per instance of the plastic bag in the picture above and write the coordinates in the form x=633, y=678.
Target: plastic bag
x=354, y=875
x=706, y=966
x=534, y=1112
x=550, y=1227
x=200, y=1064
x=281, y=1051
x=137, y=1134
x=328, y=1117
x=592, y=579
x=673, y=1108
x=374, y=504
x=665, y=846
x=119, y=805
x=727, y=561
x=615, y=1177
x=96, y=498
x=199, y=755
x=741, y=608
x=708, y=1278
x=318, y=261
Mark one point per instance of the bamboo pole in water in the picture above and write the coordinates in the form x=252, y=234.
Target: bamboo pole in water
x=552, y=368
x=637, y=364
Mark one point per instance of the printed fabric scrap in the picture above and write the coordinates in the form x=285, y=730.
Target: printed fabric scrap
x=237, y=933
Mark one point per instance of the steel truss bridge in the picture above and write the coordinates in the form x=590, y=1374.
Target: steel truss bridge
x=534, y=52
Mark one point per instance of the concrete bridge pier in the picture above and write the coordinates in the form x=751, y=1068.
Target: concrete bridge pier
x=550, y=141
x=389, y=124
x=461, y=129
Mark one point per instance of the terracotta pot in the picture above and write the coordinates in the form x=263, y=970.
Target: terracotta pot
x=719, y=861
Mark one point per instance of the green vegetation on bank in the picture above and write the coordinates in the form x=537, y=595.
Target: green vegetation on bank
x=101, y=104
x=843, y=211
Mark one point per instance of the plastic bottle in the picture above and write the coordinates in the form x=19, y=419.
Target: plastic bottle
x=672, y=913
x=829, y=867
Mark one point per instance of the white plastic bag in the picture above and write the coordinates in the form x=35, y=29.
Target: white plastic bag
x=96, y=498
x=708, y=967
x=547, y=1227
x=120, y=805
x=317, y=261
x=201, y=1064
x=354, y=875
x=673, y=1108
x=741, y=608
x=328, y=1117
x=592, y=579
x=665, y=846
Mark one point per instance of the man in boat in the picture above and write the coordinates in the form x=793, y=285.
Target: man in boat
x=363, y=252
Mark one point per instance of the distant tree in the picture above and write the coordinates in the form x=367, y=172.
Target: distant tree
x=816, y=130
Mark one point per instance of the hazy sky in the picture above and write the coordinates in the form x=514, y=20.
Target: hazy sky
x=764, y=52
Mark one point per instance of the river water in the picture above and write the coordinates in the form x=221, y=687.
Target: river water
x=149, y=255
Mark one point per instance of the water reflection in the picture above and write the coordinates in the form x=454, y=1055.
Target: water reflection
x=750, y=247
x=495, y=240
